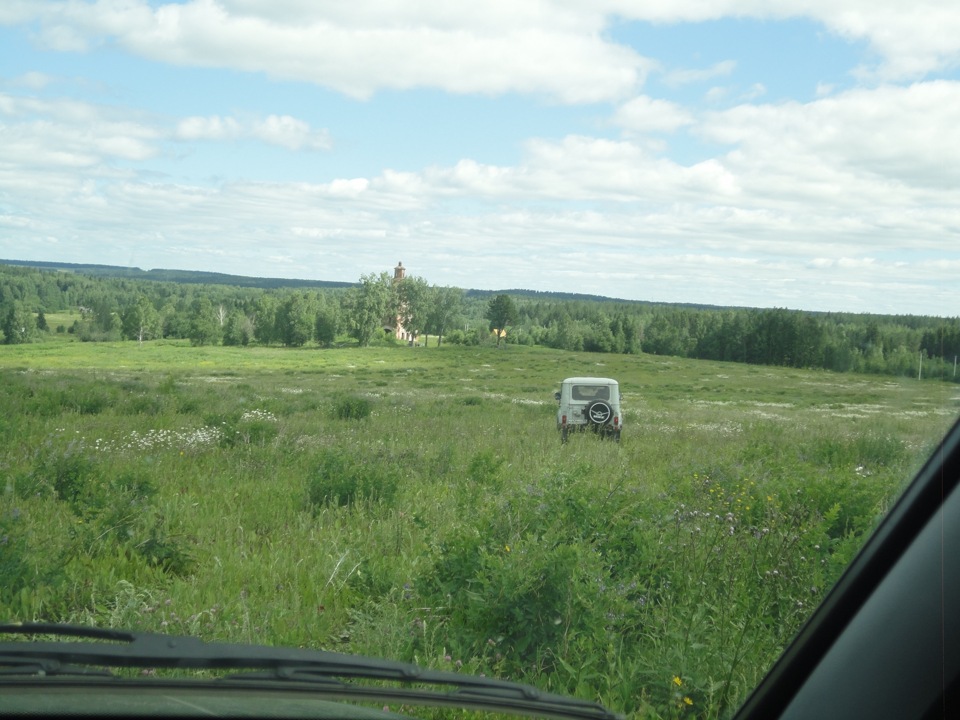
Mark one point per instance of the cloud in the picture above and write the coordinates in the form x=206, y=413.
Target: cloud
x=32, y=80
x=358, y=48
x=291, y=133
x=209, y=128
x=687, y=77
x=909, y=136
x=69, y=133
x=79, y=135
x=913, y=39
x=555, y=48
x=645, y=114
x=910, y=39
x=282, y=130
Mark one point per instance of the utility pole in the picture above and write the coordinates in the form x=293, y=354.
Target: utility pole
x=920, y=367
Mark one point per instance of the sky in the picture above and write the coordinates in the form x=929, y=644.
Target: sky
x=802, y=154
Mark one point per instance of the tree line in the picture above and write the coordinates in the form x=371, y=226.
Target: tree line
x=363, y=312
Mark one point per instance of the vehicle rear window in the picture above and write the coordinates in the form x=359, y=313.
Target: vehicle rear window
x=591, y=392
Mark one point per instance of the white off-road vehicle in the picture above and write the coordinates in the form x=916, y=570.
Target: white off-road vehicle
x=589, y=403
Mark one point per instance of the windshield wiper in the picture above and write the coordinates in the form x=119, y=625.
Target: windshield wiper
x=315, y=671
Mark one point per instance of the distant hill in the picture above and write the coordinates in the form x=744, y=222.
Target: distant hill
x=556, y=296
x=192, y=277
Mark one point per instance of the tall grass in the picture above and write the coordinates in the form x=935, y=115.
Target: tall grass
x=418, y=504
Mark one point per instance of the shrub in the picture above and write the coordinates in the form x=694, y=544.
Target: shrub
x=484, y=467
x=67, y=473
x=352, y=408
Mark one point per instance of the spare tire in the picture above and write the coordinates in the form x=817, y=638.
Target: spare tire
x=599, y=412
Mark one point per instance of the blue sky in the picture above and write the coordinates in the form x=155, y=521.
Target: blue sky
x=718, y=152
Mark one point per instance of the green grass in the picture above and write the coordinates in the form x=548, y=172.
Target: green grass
x=416, y=503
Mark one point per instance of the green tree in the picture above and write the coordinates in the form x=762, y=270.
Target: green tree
x=204, y=323
x=175, y=320
x=140, y=320
x=296, y=318
x=667, y=334
x=106, y=320
x=327, y=323
x=19, y=326
x=445, y=305
x=366, y=306
x=238, y=330
x=564, y=333
x=264, y=319
x=601, y=339
x=501, y=312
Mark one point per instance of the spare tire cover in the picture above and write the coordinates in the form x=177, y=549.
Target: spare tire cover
x=599, y=412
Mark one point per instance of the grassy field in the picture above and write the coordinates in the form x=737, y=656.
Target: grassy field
x=417, y=504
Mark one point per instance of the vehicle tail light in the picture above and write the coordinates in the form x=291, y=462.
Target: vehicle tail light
x=563, y=420
x=616, y=421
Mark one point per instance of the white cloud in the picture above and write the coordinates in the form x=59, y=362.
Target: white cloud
x=686, y=77
x=282, y=130
x=357, y=48
x=208, y=128
x=33, y=80
x=70, y=134
x=910, y=38
x=904, y=135
x=291, y=133
x=348, y=188
x=556, y=48
x=646, y=114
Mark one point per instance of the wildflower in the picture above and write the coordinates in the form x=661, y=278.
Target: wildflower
x=677, y=681
x=687, y=700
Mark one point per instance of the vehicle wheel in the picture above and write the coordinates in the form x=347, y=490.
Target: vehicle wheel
x=599, y=413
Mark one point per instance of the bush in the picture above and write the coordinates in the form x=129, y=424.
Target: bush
x=67, y=473
x=352, y=408
x=109, y=512
x=484, y=467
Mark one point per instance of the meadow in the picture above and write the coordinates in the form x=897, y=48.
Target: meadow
x=416, y=503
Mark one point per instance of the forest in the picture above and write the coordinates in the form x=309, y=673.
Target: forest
x=211, y=309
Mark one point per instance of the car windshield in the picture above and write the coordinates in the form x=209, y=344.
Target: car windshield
x=291, y=294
